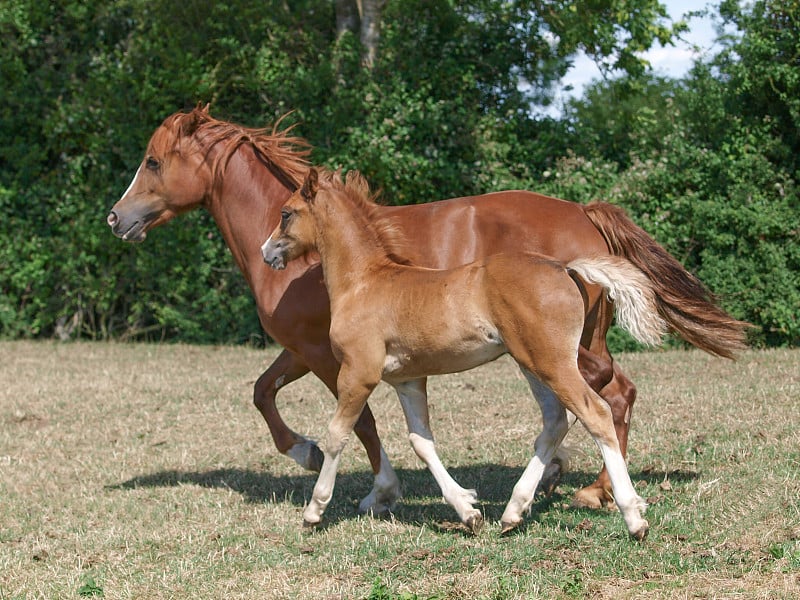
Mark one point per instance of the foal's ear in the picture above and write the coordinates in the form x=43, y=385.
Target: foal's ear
x=309, y=189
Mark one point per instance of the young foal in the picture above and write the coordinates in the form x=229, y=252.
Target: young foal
x=400, y=323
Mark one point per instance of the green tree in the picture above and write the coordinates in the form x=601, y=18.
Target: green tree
x=442, y=110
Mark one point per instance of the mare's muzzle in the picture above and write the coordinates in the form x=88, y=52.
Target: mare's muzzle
x=131, y=228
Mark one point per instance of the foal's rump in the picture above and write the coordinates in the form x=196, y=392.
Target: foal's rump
x=534, y=288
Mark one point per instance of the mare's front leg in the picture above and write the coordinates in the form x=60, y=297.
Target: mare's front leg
x=286, y=368
x=354, y=387
x=289, y=367
x=414, y=400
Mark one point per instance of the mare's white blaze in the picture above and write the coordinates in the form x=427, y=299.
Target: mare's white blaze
x=135, y=177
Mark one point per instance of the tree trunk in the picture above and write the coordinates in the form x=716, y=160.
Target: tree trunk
x=370, y=12
x=346, y=17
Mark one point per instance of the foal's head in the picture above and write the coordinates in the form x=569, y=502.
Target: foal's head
x=295, y=234
x=325, y=193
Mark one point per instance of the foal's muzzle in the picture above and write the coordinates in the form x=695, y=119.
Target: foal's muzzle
x=273, y=254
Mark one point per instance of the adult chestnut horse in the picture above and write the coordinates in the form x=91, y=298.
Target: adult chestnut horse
x=399, y=323
x=242, y=176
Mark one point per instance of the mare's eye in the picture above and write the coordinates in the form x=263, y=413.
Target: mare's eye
x=285, y=214
x=152, y=163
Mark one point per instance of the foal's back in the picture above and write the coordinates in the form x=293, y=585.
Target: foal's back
x=430, y=322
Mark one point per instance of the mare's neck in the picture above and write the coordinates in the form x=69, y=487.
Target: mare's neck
x=246, y=207
x=348, y=246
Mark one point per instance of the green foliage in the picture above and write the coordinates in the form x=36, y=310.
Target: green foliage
x=90, y=588
x=708, y=165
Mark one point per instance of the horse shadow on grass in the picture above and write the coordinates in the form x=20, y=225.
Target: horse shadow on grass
x=421, y=502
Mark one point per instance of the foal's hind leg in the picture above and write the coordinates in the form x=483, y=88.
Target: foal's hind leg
x=415, y=406
x=555, y=426
x=595, y=415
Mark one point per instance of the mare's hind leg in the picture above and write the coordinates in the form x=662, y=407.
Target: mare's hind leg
x=604, y=377
x=620, y=394
x=414, y=401
x=555, y=425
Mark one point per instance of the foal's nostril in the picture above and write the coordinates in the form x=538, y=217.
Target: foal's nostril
x=112, y=219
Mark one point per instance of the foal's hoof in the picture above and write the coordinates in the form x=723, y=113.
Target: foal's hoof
x=309, y=526
x=640, y=534
x=507, y=527
x=475, y=524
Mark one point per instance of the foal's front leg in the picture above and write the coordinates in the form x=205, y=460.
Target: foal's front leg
x=353, y=391
x=414, y=400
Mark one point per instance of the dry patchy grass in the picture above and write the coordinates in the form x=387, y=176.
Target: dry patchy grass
x=143, y=471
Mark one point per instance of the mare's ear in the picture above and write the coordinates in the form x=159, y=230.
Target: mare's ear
x=193, y=120
x=310, y=185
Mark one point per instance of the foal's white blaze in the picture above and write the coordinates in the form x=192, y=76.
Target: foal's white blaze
x=265, y=247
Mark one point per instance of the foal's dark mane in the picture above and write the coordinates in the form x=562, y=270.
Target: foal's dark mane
x=287, y=153
x=365, y=210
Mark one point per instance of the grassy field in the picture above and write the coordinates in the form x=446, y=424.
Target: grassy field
x=144, y=471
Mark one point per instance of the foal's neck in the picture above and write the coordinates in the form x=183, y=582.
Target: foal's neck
x=349, y=246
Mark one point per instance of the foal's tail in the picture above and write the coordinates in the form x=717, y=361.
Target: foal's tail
x=688, y=308
x=630, y=290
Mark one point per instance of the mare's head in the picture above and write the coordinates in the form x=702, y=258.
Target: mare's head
x=172, y=178
x=295, y=235
x=185, y=164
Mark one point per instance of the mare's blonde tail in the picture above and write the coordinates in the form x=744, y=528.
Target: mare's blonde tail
x=631, y=292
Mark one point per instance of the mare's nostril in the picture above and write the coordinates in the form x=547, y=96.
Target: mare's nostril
x=112, y=219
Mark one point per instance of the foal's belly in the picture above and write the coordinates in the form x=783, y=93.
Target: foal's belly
x=403, y=364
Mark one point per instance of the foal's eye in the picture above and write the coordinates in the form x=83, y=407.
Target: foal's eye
x=152, y=163
x=285, y=214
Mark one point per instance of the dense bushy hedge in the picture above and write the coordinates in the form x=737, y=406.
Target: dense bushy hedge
x=708, y=165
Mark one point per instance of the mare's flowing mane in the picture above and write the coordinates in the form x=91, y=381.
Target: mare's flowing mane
x=276, y=147
x=365, y=208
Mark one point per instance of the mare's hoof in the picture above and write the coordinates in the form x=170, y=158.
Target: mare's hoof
x=551, y=478
x=640, y=534
x=592, y=497
x=309, y=526
x=475, y=524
